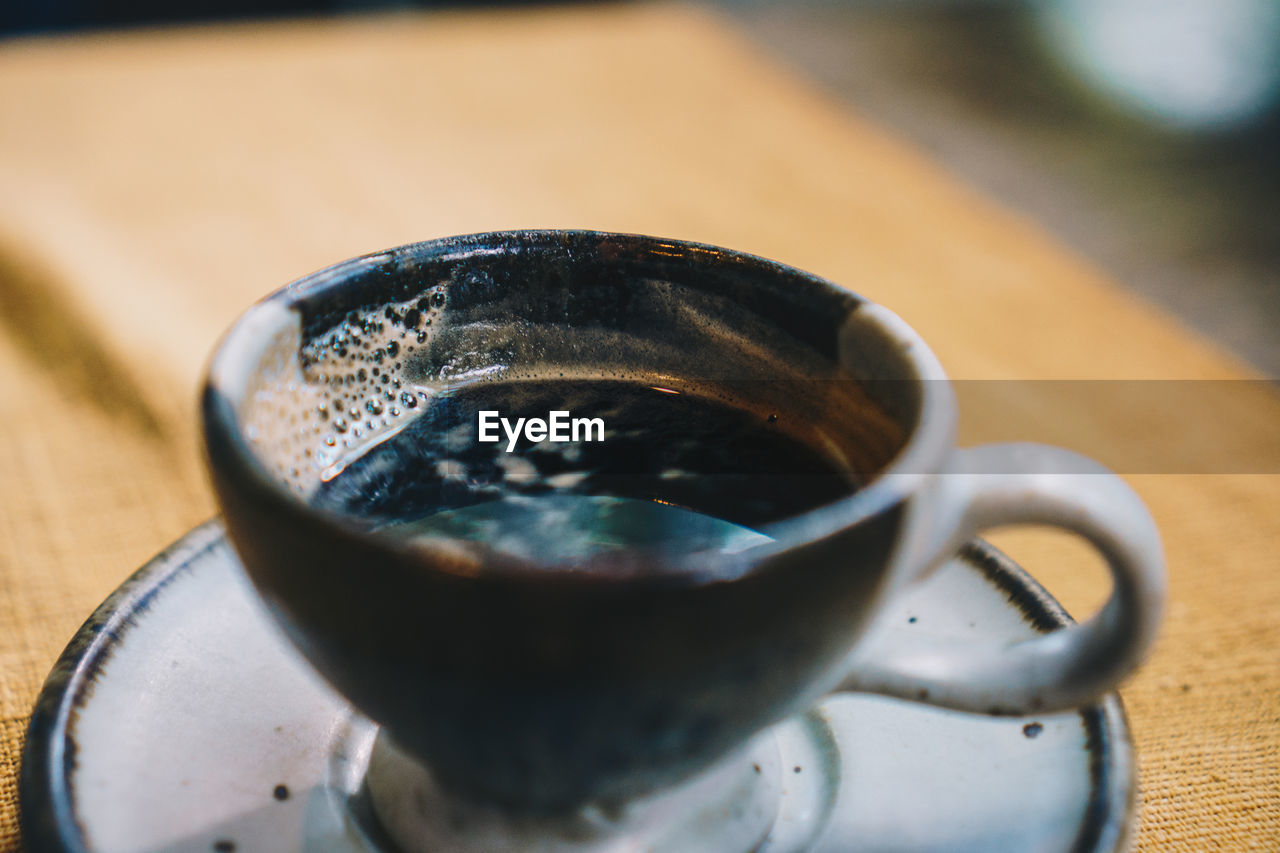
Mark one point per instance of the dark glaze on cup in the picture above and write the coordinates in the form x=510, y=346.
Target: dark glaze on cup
x=525, y=686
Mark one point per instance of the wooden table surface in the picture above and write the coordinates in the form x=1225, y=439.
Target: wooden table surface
x=154, y=183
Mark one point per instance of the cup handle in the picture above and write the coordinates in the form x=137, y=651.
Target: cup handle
x=1001, y=484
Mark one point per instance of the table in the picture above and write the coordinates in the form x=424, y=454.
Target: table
x=154, y=183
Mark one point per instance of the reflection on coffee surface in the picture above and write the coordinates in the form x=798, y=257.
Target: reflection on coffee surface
x=679, y=468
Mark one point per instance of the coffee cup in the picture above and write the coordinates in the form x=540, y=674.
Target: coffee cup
x=540, y=680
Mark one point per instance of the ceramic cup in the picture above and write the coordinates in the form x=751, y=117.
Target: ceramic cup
x=538, y=690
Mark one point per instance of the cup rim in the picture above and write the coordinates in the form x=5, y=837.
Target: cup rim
x=923, y=453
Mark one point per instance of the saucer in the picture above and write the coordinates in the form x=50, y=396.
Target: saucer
x=180, y=719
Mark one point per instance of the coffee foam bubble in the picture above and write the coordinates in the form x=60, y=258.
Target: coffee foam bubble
x=316, y=405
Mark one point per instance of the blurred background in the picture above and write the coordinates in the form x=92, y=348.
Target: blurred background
x=155, y=181
x=1143, y=133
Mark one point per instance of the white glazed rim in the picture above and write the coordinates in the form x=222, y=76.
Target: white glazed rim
x=930, y=439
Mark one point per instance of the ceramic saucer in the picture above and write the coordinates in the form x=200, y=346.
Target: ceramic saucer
x=179, y=719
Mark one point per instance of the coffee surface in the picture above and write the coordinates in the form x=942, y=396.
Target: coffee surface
x=679, y=468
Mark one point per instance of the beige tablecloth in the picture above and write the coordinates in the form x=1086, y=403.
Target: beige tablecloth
x=153, y=184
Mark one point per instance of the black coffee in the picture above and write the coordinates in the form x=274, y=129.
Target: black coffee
x=672, y=467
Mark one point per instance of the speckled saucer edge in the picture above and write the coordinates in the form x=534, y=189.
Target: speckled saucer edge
x=47, y=818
